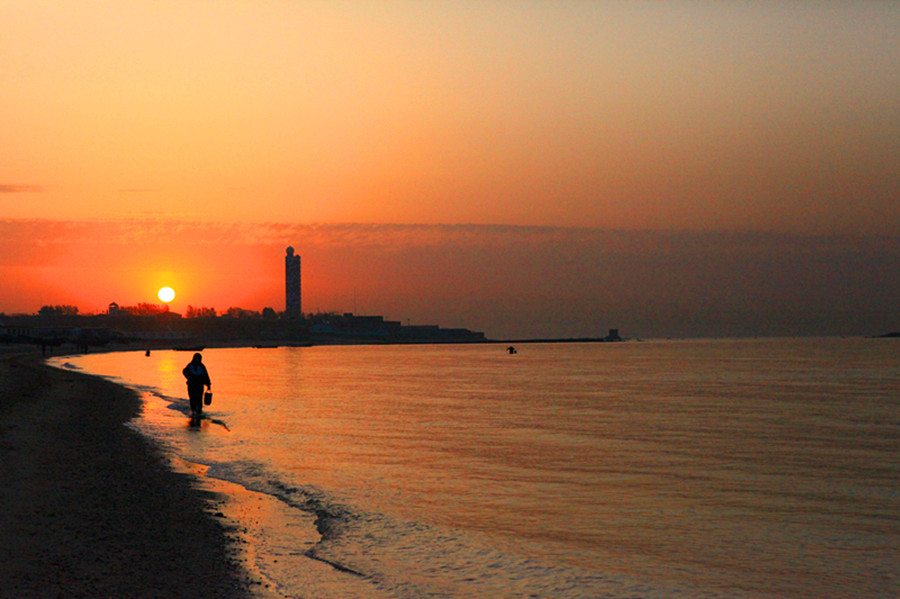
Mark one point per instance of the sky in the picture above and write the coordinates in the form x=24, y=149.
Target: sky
x=524, y=168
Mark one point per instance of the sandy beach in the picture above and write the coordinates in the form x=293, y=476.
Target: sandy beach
x=89, y=507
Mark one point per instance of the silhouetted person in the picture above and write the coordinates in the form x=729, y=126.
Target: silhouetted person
x=197, y=378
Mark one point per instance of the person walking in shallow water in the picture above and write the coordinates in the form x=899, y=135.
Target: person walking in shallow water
x=197, y=378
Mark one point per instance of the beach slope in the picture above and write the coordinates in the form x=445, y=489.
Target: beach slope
x=89, y=507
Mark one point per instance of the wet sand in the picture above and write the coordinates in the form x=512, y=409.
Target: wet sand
x=89, y=507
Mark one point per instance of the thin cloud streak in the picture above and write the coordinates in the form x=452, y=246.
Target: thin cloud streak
x=10, y=188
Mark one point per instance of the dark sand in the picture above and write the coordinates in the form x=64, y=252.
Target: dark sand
x=88, y=507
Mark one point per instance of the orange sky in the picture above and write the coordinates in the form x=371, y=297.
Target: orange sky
x=681, y=116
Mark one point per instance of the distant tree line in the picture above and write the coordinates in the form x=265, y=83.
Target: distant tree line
x=142, y=309
x=145, y=309
x=58, y=310
x=233, y=312
x=148, y=309
x=203, y=312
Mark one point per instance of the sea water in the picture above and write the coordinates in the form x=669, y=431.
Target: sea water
x=719, y=468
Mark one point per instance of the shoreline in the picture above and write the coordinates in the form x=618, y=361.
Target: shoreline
x=91, y=507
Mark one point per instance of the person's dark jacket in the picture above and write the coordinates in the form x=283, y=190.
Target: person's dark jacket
x=196, y=375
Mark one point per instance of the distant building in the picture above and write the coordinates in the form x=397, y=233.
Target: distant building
x=292, y=297
x=113, y=309
x=613, y=336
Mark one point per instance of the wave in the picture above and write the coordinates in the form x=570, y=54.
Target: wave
x=403, y=558
x=331, y=518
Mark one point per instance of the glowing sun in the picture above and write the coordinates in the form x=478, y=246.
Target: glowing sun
x=166, y=294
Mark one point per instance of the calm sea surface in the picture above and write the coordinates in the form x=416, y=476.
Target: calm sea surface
x=731, y=468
